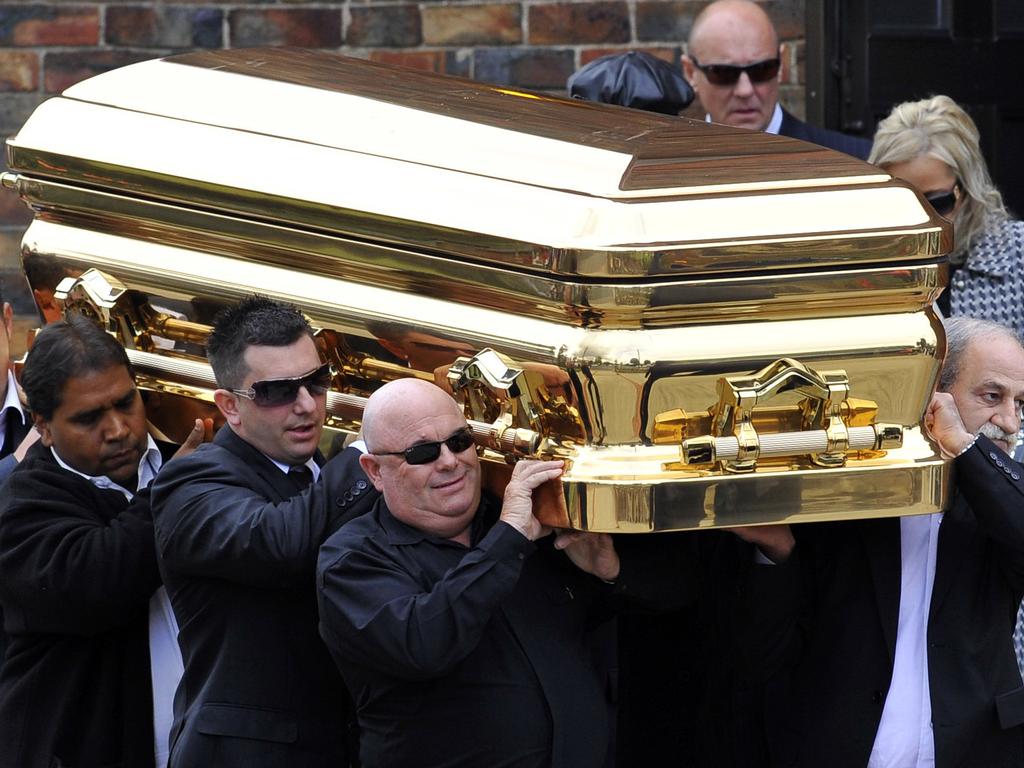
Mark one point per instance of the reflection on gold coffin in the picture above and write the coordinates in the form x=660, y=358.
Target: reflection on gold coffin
x=713, y=327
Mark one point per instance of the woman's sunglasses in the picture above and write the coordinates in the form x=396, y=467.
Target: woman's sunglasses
x=945, y=202
x=271, y=393
x=729, y=74
x=424, y=453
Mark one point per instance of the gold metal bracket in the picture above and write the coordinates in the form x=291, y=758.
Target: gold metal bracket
x=825, y=425
x=125, y=314
x=531, y=398
x=476, y=379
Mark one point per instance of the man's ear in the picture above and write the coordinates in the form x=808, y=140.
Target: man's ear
x=371, y=466
x=227, y=403
x=8, y=320
x=43, y=427
x=782, y=61
x=688, y=70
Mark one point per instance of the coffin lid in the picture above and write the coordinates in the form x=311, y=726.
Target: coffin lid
x=341, y=146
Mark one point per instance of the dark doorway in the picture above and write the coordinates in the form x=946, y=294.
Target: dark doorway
x=877, y=53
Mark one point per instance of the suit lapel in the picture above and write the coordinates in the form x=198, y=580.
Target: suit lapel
x=882, y=546
x=18, y=425
x=956, y=534
x=277, y=485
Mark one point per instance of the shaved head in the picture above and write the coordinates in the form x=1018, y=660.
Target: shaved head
x=733, y=33
x=439, y=497
x=731, y=18
x=393, y=408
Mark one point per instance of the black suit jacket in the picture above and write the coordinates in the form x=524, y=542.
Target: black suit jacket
x=77, y=569
x=797, y=129
x=237, y=545
x=851, y=607
x=15, y=432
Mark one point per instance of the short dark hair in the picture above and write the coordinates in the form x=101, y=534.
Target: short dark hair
x=961, y=332
x=65, y=350
x=254, y=321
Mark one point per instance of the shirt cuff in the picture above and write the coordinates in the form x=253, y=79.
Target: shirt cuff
x=504, y=542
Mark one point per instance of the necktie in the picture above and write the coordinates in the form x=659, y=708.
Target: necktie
x=301, y=476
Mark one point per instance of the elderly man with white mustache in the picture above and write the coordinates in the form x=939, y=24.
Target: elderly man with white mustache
x=905, y=656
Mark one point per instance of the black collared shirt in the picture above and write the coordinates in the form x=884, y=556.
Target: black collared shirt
x=462, y=656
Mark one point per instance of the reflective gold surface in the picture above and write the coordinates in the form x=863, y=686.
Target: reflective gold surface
x=581, y=277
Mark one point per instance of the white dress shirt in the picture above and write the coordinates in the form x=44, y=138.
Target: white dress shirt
x=313, y=467
x=904, y=738
x=165, y=664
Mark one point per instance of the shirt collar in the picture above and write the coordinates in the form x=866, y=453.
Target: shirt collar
x=12, y=402
x=774, y=125
x=313, y=466
x=401, y=533
x=149, y=465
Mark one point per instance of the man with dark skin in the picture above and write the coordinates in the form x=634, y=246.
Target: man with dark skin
x=83, y=683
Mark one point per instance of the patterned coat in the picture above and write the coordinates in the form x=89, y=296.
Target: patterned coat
x=990, y=285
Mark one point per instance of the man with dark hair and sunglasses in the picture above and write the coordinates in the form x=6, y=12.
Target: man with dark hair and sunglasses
x=734, y=63
x=457, y=623
x=238, y=526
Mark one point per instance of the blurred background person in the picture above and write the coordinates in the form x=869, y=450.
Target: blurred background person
x=933, y=145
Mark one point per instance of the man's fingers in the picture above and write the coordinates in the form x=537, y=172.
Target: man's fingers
x=195, y=437
x=568, y=538
x=530, y=474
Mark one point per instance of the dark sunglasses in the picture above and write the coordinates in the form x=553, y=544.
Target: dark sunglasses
x=424, y=453
x=271, y=393
x=945, y=202
x=728, y=74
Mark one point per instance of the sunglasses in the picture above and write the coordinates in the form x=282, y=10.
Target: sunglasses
x=271, y=393
x=424, y=453
x=729, y=74
x=945, y=202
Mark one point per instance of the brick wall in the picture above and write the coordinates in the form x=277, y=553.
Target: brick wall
x=46, y=47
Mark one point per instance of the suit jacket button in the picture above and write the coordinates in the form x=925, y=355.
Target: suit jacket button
x=876, y=697
x=1015, y=476
x=992, y=455
x=361, y=485
x=342, y=502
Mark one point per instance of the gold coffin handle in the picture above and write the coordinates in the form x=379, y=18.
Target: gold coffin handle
x=824, y=436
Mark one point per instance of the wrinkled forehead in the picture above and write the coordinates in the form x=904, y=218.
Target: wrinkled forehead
x=994, y=362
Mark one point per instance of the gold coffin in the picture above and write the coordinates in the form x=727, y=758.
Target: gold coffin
x=713, y=327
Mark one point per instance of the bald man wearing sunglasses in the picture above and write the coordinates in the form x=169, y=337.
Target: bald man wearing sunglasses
x=238, y=526
x=459, y=625
x=734, y=62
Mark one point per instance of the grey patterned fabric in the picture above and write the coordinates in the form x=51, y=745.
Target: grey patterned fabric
x=990, y=285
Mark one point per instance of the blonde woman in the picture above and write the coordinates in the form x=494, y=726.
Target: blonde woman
x=933, y=144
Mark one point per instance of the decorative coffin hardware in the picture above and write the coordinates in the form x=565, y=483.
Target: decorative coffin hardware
x=711, y=326
x=825, y=426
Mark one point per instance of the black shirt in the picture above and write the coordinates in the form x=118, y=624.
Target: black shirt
x=462, y=656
